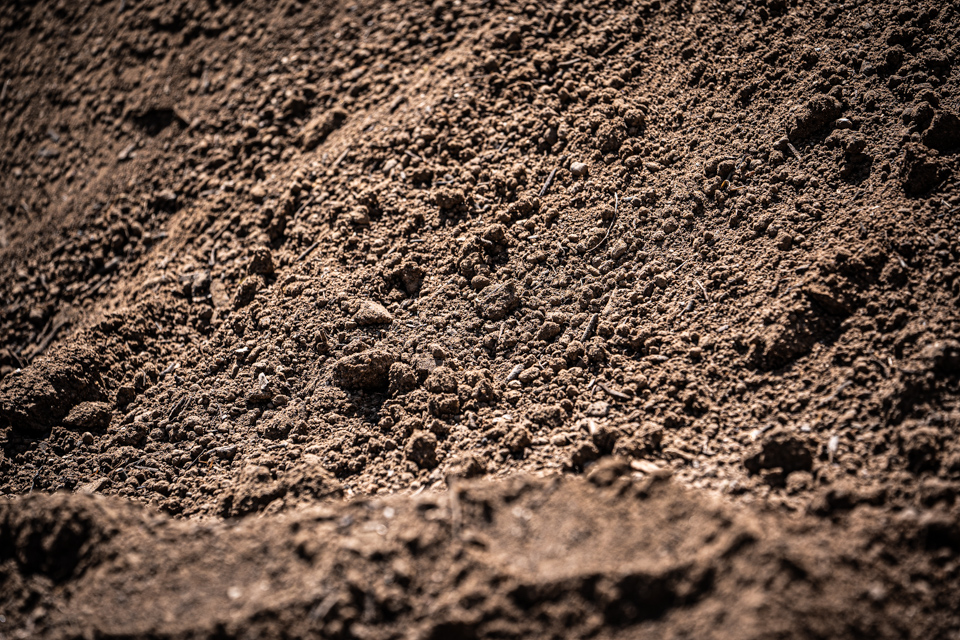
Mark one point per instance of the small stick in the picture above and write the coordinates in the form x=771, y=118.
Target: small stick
x=553, y=174
x=307, y=251
x=548, y=182
x=569, y=63
x=46, y=341
x=613, y=393
x=177, y=408
x=794, y=150
x=592, y=382
x=833, y=396
x=336, y=163
x=591, y=325
x=612, y=48
x=303, y=205
x=702, y=290
x=514, y=373
x=396, y=103
x=170, y=369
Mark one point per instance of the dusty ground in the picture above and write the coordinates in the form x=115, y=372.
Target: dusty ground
x=476, y=319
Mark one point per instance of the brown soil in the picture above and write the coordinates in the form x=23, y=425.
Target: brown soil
x=476, y=320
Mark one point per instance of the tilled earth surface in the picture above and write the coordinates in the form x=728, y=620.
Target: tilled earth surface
x=478, y=319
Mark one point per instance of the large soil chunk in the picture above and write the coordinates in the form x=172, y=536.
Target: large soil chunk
x=920, y=168
x=372, y=313
x=780, y=449
x=365, y=371
x=499, y=302
x=815, y=115
x=43, y=394
x=317, y=130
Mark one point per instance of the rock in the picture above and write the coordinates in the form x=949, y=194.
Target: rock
x=421, y=449
x=501, y=300
x=365, y=371
x=479, y=283
x=317, y=130
x=579, y=169
x=779, y=449
x=371, y=313
x=228, y=452
x=528, y=375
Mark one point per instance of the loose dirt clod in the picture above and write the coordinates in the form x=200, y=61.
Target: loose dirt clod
x=677, y=279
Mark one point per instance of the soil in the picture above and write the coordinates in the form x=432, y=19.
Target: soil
x=480, y=319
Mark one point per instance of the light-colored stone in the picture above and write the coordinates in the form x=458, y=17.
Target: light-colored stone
x=372, y=313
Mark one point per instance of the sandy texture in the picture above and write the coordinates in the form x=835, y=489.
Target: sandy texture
x=274, y=268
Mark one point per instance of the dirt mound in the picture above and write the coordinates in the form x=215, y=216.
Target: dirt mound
x=264, y=256
x=615, y=556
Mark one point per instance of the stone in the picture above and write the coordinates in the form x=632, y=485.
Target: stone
x=372, y=313
x=499, y=302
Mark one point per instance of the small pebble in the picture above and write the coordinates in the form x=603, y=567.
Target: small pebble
x=578, y=169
